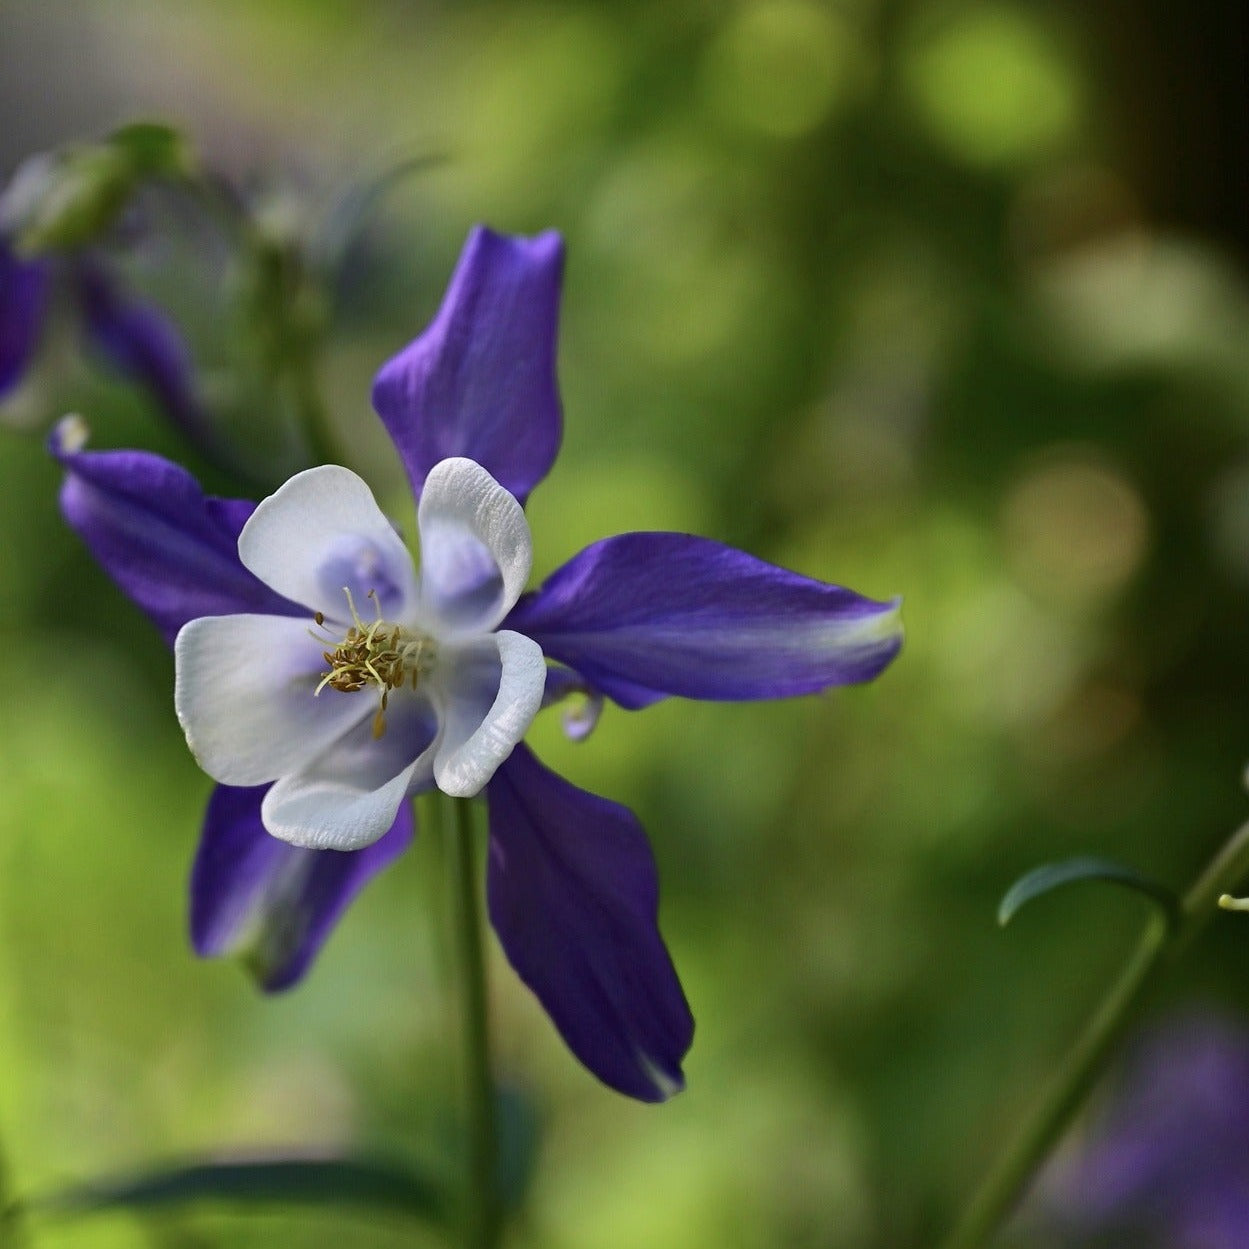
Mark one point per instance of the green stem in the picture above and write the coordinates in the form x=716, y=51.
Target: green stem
x=314, y=417
x=482, y=1221
x=286, y=316
x=12, y=1222
x=1160, y=945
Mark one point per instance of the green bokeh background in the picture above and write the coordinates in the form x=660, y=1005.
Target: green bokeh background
x=939, y=299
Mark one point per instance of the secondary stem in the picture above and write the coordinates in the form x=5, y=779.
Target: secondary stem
x=481, y=1214
x=1160, y=945
x=12, y=1230
x=314, y=417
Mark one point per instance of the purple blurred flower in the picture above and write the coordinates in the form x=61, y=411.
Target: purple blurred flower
x=451, y=666
x=143, y=345
x=132, y=336
x=1166, y=1165
x=24, y=289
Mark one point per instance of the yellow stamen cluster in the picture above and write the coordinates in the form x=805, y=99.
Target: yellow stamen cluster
x=383, y=655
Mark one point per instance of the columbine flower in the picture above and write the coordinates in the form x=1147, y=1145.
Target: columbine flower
x=324, y=681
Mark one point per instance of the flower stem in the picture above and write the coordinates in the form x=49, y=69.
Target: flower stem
x=481, y=1213
x=12, y=1225
x=314, y=418
x=1159, y=946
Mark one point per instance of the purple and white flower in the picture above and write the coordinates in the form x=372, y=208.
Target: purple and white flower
x=323, y=680
x=264, y=698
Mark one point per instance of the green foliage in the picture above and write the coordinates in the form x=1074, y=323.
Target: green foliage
x=286, y=1182
x=1050, y=876
x=62, y=200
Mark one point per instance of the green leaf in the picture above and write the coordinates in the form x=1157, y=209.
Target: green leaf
x=275, y=1181
x=350, y=214
x=1050, y=876
x=58, y=201
x=68, y=198
x=153, y=150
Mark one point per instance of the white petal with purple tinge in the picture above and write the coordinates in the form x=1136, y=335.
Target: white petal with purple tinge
x=244, y=697
x=476, y=551
x=349, y=796
x=308, y=810
x=490, y=690
x=322, y=530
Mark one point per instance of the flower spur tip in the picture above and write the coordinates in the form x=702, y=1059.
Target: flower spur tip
x=71, y=434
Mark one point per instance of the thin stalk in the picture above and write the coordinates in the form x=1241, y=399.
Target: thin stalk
x=431, y=814
x=482, y=1221
x=314, y=417
x=1160, y=945
x=13, y=1234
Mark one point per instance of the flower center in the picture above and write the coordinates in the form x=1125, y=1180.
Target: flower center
x=383, y=655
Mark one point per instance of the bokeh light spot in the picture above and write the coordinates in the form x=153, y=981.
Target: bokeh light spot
x=1075, y=528
x=1228, y=508
x=779, y=68
x=994, y=87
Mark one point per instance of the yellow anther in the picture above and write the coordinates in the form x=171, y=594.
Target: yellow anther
x=382, y=655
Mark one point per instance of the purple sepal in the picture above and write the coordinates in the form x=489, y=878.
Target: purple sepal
x=269, y=903
x=574, y=896
x=142, y=344
x=24, y=293
x=480, y=381
x=648, y=614
x=170, y=547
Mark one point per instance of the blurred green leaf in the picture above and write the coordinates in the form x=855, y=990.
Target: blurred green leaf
x=68, y=198
x=63, y=200
x=153, y=150
x=276, y=1181
x=1050, y=876
x=351, y=212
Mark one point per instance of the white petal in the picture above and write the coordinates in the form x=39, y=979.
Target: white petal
x=476, y=550
x=322, y=815
x=350, y=796
x=489, y=691
x=321, y=531
x=244, y=697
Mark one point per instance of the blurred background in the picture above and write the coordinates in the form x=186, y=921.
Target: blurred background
x=943, y=298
